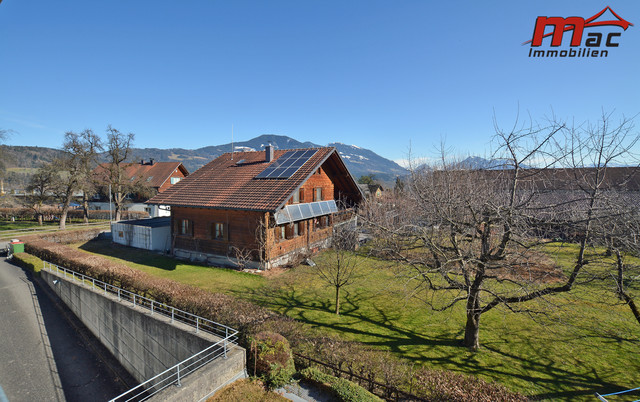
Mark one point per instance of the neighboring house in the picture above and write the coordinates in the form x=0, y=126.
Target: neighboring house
x=371, y=190
x=156, y=177
x=260, y=209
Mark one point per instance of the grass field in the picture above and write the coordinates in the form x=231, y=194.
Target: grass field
x=585, y=343
x=8, y=225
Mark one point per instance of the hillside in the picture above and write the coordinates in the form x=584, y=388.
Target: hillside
x=21, y=161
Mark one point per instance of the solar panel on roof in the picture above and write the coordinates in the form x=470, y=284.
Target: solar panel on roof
x=286, y=165
x=298, y=212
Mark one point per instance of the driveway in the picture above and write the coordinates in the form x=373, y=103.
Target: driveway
x=46, y=354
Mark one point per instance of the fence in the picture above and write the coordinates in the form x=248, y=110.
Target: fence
x=228, y=336
x=379, y=389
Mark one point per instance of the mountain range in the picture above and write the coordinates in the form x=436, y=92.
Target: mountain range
x=20, y=161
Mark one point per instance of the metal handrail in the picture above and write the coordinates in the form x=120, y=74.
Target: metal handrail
x=195, y=321
x=175, y=374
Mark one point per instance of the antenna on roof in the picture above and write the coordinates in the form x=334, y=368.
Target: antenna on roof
x=231, y=141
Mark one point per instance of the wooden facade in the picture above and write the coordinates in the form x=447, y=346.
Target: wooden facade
x=223, y=214
x=256, y=231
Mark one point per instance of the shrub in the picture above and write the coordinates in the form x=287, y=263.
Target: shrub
x=246, y=390
x=271, y=357
x=344, y=389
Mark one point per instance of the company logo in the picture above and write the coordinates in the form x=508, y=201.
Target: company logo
x=596, y=44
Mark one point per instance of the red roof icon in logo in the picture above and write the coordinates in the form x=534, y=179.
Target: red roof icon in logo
x=591, y=22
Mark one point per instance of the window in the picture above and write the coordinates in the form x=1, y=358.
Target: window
x=219, y=231
x=185, y=228
x=296, y=197
x=317, y=194
x=283, y=232
x=296, y=229
x=174, y=180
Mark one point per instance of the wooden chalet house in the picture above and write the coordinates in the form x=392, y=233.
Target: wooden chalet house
x=154, y=176
x=265, y=208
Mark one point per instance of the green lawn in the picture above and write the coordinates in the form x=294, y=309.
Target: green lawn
x=8, y=225
x=585, y=343
x=210, y=278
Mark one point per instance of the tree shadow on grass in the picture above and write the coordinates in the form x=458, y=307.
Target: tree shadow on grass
x=379, y=328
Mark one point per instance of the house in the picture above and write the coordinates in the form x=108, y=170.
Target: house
x=260, y=209
x=371, y=190
x=154, y=177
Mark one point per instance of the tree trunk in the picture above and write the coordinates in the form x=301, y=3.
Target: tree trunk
x=472, y=329
x=117, y=201
x=63, y=217
x=622, y=294
x=85, y=207
x=40, y=219
x=65, y=209
x=337, y=300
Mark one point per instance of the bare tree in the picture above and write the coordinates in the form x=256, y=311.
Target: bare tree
x=40, y=190
x=340, y=266
x=73, y=168
x=119, y=154
x=612, y=219
x=472, y=237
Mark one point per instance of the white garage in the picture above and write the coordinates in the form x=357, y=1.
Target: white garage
x=149, y=234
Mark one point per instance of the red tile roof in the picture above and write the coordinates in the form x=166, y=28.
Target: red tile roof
x=225, y=184
x=155, y=174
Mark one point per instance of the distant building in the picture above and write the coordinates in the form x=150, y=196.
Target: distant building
x=371, y=190
x=157, y=177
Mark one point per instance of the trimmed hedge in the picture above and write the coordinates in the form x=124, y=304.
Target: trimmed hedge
x=250, y=319
x=27, y=261
x=346, y=390
x=65, y=236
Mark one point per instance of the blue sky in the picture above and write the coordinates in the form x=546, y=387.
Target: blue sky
x=383, y=75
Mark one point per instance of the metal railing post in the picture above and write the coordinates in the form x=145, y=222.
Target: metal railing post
x=134, y=300
x=226, y=336
x=173, y=311
x=105, y=289
x=197, y=325
x=178, y=368
x=151, y=307
x=119, y=299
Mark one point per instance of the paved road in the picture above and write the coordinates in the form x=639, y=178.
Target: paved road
x=43, y=355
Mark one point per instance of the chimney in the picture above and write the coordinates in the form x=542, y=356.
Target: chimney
x=268, y=151
x=152, y=161
x=142, y=161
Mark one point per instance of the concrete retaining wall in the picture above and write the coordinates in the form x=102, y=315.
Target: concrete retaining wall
x=144, y=344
